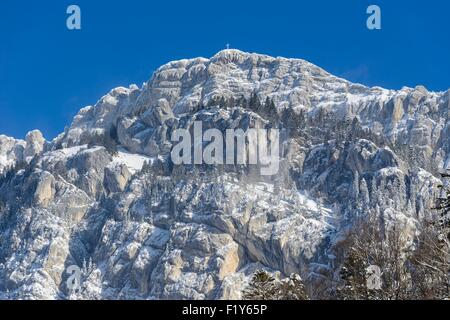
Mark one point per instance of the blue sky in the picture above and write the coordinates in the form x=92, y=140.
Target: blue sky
x=47, y=72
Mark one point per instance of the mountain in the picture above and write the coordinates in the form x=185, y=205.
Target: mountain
x=13, y=151
x=103, y=208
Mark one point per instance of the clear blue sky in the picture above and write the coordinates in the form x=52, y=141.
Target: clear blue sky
x=47, y=72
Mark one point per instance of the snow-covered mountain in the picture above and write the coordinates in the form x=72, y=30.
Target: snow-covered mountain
x=105, y=196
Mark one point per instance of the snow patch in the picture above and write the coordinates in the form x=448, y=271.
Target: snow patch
x=133, y=161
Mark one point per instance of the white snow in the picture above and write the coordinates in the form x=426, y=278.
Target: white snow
x=69, y=152
x=133, y=161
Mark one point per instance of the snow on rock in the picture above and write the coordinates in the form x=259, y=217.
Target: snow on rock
x=199, y=232
x=134, y=162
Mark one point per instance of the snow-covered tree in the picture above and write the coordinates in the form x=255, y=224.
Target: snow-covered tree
x=264, y=286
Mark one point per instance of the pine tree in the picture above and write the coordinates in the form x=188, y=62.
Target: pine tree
x=264, y=286
x=254, y=104
x=293, y=288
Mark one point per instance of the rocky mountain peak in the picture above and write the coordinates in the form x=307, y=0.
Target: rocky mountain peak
x=13, y=151
x=104, y=196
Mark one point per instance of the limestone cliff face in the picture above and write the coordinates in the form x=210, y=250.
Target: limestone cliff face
x=140, y=227
x=13, y=151
x=10, y=150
